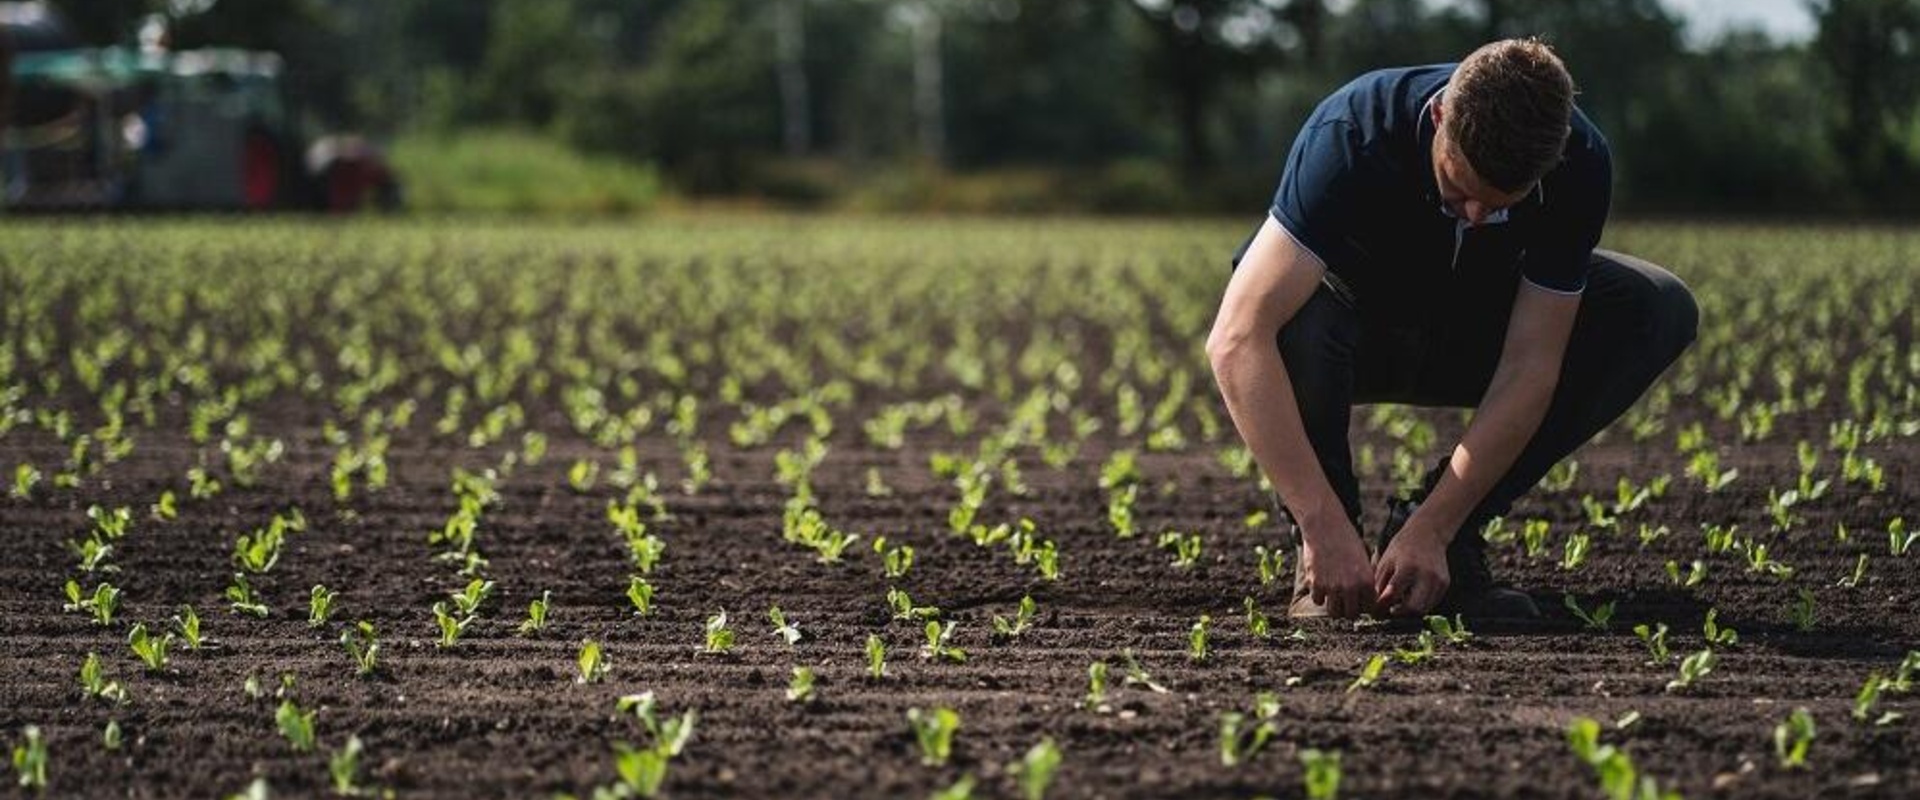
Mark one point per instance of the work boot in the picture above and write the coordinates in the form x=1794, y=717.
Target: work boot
x=1471, y=590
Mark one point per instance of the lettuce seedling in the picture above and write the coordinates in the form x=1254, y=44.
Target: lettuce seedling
x=1656, y=641
x=1864, y=702
x=937, y=647
x=152, y=650
x=1533, y=536
x=450, y=626
x=640, y=595
x=934, y=730
x=1120, y=511
x=187, y=623
x=30, y=759
x=1716, y=633
x=1693, y=668
x=537, y=614
x=1322, y=773
x=95, y=683
x=1239, y=742
x=1369, y=673
x=1619, y=779
x=903, y=607
x=641, y=771
x=103, y=603
x=25, y=477
x=1185, y=548
x=241, y=599
x=1600, y=619
x=1454, y=631
x=344, y=767
x=1792, y=738
x=781, y=628
x=320, y=605
x=719, y=637
x=1096, y=686
x=1801, y=612
x=1271, y=563
x=1421, y=651
x=362, y=644
x=593, y=667
x=295, y=725
x=800, y=688
x=93, y=554
x=1899, y=540
x=668, y=736
x=1695, y=575
x=1036, y=769
x=1137, y=675
x=1197, y=639
x=468, y=600
x=1022, y=619
x=876, y=657
x=1575, y=551
x=1257, y=622
x=111, y=737
x=895, y=561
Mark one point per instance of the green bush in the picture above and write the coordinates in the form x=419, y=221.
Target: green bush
x=519, y=172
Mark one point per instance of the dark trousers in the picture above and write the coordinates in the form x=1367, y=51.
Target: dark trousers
x=1634, y=319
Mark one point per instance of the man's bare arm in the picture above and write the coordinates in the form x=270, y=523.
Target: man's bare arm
x=1509, y=414
x=1274, y=279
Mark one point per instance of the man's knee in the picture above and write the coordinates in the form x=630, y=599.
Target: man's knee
x=1669, y=313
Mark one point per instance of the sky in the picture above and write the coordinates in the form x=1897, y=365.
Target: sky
x=1784, y=20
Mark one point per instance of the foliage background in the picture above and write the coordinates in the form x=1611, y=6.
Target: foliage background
x=1181, y=106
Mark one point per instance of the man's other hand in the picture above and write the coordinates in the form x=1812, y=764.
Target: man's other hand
x=1339, y=575
x=1411, y=575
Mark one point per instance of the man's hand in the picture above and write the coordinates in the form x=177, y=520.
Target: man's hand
x=1411, y=576
x=1337, y=569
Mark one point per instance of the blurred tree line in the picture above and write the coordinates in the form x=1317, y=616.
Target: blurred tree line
x=1127, y=105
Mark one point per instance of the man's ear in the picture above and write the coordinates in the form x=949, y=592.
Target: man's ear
x=1439, y=111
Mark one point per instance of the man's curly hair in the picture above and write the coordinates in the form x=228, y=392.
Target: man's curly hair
x=1509, y=109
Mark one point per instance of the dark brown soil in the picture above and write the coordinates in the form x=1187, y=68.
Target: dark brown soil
x=501, y=715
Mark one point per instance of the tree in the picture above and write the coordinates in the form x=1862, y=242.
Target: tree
x=1871, y=49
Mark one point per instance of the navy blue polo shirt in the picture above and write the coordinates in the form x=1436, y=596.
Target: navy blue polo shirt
x=1358, y=191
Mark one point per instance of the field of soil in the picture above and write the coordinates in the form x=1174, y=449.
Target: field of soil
x=502, y=715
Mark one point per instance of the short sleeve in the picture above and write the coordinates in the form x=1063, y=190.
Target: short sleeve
x=1315, y=187
x=1560, y=249
x=1314, y=200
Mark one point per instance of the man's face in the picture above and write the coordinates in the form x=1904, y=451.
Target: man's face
x=1461, y=189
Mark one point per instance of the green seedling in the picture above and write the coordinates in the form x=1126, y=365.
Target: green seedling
x=800, y=688
x=295, y=726
x=1137, y=675
x=1242, y=735
x=1801, y=611
x=1422, y=650
x=1869, y=696
x=961, y=789
x=25, y=477
x=1859, y=574
x=719, y=636
x=451, y=627
x=1096, y=686
x=1533, y=536
x=1369, y=673
x=1197, y=639
x=1693, y=668
x=1257, y=622
x=668, y=736
x=95, y=683
x=1270, y=562
x=344, y=767
x=1453, y=631
x=937, y=643
x=1599, y=619
x=895, y=561
x=1619, y=780
x=93, y=554
x=152, y=650
x=30, y=759
x=102, y=604
x=933, y=731
x=593, y=666
x=320, y=606
x=187, y=624
x=1655, y=639
x=1716, y=633
x=242, y=600
x=876, y=657
x=1022, y=619
x=640, y=595
x=362, y=644
x=111, y=737
x=1648, y=534
x=903, y=607
x=781, y=628
x=1719, y=538
x=1184, y=546
x=468, y=600
x=1694, y=574
x=1899, y=539
x=537, y=614
x=1575, y=552
x=1792, y=738
x=1321, y=779
x=1036, y=769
